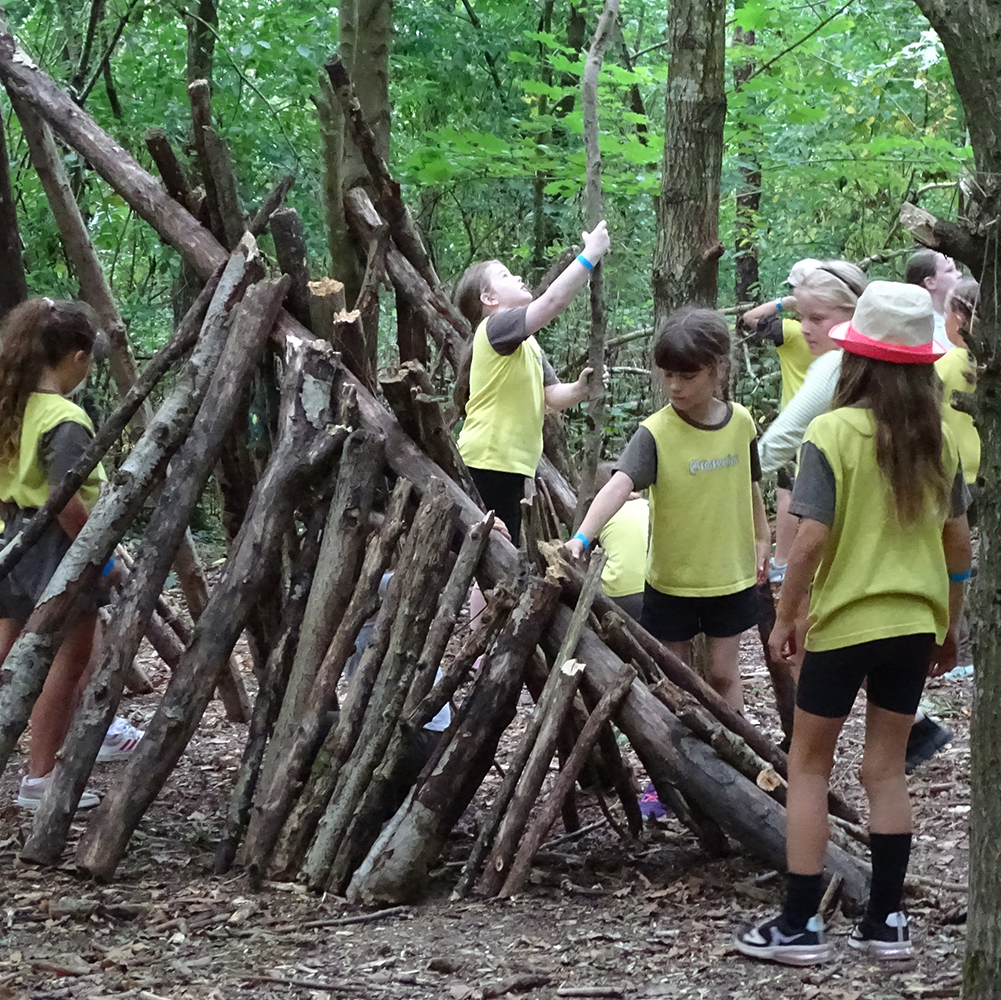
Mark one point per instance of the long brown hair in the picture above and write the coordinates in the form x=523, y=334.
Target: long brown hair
x=36, y=334
x=906, y=404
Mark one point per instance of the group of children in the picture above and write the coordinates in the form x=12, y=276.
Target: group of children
x=873, y=548
x=872, y=533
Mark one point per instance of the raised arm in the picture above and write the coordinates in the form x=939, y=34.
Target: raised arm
x=557, y=296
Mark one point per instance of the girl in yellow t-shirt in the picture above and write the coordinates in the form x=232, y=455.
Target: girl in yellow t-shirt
x=958, y=371
x=709, y=537
x=876, y=578
x=45, y=354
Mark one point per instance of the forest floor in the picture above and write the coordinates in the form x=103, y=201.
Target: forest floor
x=639, y=920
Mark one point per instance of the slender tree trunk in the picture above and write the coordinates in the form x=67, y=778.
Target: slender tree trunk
x=13, y=288
x=746, y=280
x=686, y=260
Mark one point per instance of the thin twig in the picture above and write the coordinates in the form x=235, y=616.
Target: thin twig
x=357, y=918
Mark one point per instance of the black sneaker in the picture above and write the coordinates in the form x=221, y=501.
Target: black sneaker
x=890, y=941
x=774, y=942
x=927, y=737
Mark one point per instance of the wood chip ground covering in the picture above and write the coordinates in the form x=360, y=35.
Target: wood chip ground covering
x=600, y=919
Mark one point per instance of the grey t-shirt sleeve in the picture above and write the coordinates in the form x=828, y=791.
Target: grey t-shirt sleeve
x=549, y=376
x=755, y=462
x=814, y=493
x=61, y=448
x=961, y=497
x=506, y=330
x=639, y=460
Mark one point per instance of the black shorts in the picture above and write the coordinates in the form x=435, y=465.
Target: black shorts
x=786, y=476
x=632, y=604
x=502, y=492
x=895, y=668
x=678, y=619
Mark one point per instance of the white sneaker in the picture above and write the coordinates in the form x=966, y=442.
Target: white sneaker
x=30, y=794
x=119, y=742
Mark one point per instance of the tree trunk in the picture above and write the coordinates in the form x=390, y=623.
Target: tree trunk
x=969, y=34
x=290, y=249
x=14, y=287
x=190, y=470
x=304, y=451
x=686, y=259
x=746, y=280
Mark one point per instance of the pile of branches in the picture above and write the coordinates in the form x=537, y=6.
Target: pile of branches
x=316, y=795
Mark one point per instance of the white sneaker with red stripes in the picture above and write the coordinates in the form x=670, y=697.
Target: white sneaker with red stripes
x=119, y=742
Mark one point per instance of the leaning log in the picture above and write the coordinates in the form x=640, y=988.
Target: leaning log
x=190, y=470
x=24, y=670
x=397, y=867
x=307, y=445
x=290, y=249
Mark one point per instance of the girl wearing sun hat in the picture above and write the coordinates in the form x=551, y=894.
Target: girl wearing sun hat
x=875, y=579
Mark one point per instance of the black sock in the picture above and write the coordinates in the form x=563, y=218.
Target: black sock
x=890, y=854
x=803, y=894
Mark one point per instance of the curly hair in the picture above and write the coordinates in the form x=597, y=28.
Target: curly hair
x=36, y=334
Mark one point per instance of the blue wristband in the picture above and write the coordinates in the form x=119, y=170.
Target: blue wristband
x=961, y=577
x=108, y=567
x=585, y=262
x=581, y=537
x=778, y=305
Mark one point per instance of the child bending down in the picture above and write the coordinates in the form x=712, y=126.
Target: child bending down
x=45, y=355
x=877, y=573
x=510, y=382
x=709, y=541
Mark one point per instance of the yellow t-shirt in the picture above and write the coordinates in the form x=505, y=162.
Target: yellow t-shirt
x=794, y=359
x=23, y=480
x=624, y=539
x=701, y=513
x=952, y=368
x=878, y=578
x=507, y=403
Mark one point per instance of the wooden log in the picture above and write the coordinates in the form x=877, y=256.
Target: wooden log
x=399, y=862
x=326, y=300
x=499, y=603
x=270, y=694
x=269, y=206
x=171, y=172
x=23, y=672
x=410, y=394
x=190, y=470
x=298, y=749
x=14, y=288
x=387, y=190
x=381, y=799
x=421, y=575
x=411, y=334
x=349, y=337
x=307, y=444
x=290, y=249
x=341, y=552
x=447, y=327
x=222, y=197
x=541, y=737
x=550, y=808
x=109, y=432
x=94, y=287
x=560, y=492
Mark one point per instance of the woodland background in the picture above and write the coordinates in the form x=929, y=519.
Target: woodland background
x=836, y=115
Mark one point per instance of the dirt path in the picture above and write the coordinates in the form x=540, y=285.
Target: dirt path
x=652, y=919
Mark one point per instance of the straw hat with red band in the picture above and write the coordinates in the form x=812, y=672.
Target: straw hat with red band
x=892, y=322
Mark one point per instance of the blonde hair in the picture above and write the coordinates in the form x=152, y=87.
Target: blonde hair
x=836, y=283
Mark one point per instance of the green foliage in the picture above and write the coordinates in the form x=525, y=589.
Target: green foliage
x=845, y=124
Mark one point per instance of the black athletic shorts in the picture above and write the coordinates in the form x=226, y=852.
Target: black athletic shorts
x=895, y=669
x=786, y=476
x=678, y=619
x=502, y=492
x=632, y=604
